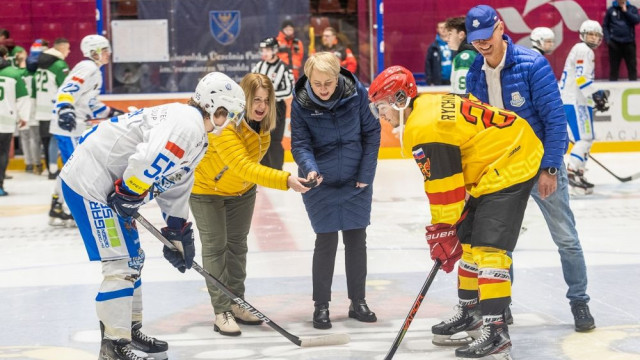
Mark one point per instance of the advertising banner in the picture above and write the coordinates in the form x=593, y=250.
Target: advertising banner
x=210, y=35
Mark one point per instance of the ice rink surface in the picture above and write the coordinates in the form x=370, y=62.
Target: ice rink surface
x=47, y=285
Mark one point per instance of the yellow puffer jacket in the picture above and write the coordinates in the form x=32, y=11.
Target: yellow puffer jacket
x=231, y=165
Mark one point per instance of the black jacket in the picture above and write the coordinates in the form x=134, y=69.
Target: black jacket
x=619, y=26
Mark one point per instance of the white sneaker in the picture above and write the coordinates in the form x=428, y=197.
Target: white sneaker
x=226, y=324
x=243, y=316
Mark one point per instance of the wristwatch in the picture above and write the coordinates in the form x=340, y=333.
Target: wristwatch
x=551, y=170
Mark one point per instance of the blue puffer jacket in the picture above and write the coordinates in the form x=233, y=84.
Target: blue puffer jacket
x=340, y=143
x=530, y=90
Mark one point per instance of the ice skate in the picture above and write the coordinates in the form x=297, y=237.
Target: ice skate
x=117, y=350
x=156, y=349
x=57, y=216
x=493, y=344
x=461, y=329
x=579, y=184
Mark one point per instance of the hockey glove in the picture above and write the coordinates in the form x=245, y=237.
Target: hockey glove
x=601, y=100
x=444, y=245
x=124, y=202
x=181, y=257
x=67, y=117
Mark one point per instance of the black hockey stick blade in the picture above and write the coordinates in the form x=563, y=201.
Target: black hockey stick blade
x=326, y=340
x=622, y=179
x=414, y=310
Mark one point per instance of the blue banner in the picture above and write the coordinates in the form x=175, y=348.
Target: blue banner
x=213, y=35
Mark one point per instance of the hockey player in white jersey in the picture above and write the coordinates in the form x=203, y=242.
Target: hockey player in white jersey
x=76, y=102
x=580, y=96
x=542, y=40
x=123, y=163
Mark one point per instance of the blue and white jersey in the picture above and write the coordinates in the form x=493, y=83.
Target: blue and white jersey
x=155, y=149
x=80, y=89
x=576, y=83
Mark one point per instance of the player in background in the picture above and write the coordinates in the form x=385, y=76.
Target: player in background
x=14, y=109
x=282, y=78
x=465, y=53
x=580, y=96
x=76, y=103
x=51, y=72
x=123, y=163
x=29, y=134
x=465, y=146
x=542, y=40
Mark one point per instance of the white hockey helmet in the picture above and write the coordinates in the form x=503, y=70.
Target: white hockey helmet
x=217, y=90
x=540, y=35
x=591, y=27
x=94, y=43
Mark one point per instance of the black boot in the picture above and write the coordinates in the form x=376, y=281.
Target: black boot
x=321, y=316
x=360, y=311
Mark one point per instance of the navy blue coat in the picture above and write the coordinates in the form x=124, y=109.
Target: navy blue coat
x=340, y=143
x=619, y=26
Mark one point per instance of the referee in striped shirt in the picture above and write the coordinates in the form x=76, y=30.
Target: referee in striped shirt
x=282, y=78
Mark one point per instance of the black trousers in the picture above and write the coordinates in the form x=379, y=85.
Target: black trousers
x=274, y=158
x=619, y=51
x=324, y=259
x=5, y=148
x=45, y=137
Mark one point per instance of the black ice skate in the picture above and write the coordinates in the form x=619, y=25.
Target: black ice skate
x=57, y=216
x=449, y=332
x=117, y=350
x=493, y=344
x=150, y=345
x=578, y=182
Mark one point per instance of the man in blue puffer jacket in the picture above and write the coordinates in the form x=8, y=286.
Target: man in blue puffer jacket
x=521, y=80
x=335, y=141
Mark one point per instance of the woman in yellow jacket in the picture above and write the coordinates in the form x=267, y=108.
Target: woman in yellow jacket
x=224, y=194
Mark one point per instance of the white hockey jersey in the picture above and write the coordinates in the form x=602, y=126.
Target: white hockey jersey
x=155, y=149
x=80, y=89
x=576, y=83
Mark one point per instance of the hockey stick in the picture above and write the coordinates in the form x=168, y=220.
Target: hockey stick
x=326, y=340
x=622, y=179
x=414, y=310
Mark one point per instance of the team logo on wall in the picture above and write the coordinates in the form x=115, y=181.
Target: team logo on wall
x=225, y=25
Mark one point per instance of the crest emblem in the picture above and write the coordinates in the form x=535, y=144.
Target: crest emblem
x=516, y=99
x=224, y=25
x=475, y=23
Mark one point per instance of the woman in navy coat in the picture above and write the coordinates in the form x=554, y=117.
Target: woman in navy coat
x=335, y=141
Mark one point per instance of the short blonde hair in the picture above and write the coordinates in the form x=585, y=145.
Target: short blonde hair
x=324, y=62
x=250, y=84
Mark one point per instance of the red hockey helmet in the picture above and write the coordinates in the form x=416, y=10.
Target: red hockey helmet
x=394, y=86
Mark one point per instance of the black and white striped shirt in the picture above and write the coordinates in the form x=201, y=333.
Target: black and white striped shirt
x=280, y=75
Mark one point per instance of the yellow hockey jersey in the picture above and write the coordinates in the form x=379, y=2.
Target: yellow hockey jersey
x=463, y=145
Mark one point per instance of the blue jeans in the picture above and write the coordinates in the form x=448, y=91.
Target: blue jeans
x=562, y=225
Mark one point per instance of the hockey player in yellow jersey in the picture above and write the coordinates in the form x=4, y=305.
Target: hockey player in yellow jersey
x=479, y=164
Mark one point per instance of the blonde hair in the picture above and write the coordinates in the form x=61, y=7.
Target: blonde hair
x=250, y=84
x=324, y=62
